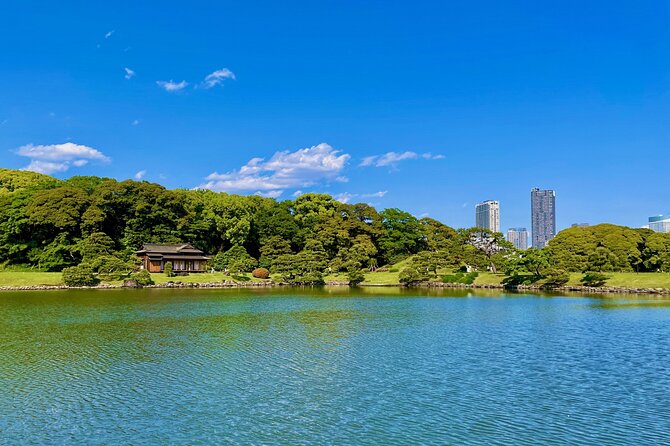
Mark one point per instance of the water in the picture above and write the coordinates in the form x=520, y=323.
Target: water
x=364, y=367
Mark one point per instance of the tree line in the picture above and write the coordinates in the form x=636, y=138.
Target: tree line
x=98, y=223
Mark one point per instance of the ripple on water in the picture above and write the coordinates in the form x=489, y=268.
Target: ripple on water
x=219, y=367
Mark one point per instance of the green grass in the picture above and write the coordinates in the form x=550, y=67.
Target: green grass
x=630, y=280
x=29, y=278
x=197, y=278
x=624, y=280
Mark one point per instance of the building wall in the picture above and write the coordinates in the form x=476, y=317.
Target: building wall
x=487, y=215
x=518, y=237
x=543, y=216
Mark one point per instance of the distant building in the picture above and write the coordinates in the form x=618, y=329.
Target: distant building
x=580, y=225
x=659, y=223
x=518, y=237
x=487, y=215
x=184, y=258
x=543, y=216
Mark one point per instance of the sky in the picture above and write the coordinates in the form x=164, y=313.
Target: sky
x=430, y=107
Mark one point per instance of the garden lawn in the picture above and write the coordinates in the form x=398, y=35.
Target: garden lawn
x=29, y=278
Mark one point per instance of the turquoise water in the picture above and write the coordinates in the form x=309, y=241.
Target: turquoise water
x=332, y=367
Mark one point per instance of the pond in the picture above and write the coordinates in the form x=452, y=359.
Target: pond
x=332, y=366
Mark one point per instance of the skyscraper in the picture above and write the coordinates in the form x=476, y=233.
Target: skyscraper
x=487, y=215
x=518, y=237
x=659, y=223
x=542, y=216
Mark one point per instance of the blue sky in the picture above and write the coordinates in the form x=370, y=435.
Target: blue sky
x=427, y=106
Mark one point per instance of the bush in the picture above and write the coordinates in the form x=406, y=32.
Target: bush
x=394, y=270
x=142, y=277
x=460, y=277
x=241, y=278
x=167, y=269
x=109, y=267
x=594, y=279
x=411, y=276
x=260, y=273
x=555, y=278
x=236, y=259
x=81, y=275
x=355, y=276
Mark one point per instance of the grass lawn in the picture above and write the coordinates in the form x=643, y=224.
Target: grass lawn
x=626, y=280
x=630, y=280
x=29, y=278
x=198, y=278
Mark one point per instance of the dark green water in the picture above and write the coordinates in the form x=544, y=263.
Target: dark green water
x=332, y=367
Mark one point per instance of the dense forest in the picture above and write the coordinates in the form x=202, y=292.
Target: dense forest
x=52, y=224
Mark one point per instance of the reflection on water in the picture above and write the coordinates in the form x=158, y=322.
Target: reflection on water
x=336, y=366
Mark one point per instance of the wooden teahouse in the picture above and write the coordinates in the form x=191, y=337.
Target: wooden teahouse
x=184, y=258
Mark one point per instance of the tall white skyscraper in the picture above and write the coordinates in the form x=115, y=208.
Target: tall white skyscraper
x=487, y=215
x=518, y=237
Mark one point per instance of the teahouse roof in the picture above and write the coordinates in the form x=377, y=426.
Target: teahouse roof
x=184, y=251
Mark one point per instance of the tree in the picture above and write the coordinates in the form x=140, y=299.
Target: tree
x=355, y=276
x=403, y=235
x=411, y=276
x=78, y=276
x=594, y=279
x=236, y=260
x=167, y=269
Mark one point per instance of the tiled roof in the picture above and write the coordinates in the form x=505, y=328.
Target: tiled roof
x=164, y=248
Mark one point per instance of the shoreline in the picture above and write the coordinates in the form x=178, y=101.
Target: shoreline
x=432, y=285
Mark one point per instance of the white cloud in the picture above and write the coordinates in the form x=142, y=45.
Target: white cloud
x=171, y=85
x=135, y=122
x=139, y=175
x=346, y=197
x=298, y=193
x=46, y=167
x=270, y=194
x=59, y=157
x=217, y=77
x=129, y=73
x=109, y=34
x=283, y=170
x=393, y=158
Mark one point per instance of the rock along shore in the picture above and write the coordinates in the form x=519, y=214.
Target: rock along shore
x=270, y=284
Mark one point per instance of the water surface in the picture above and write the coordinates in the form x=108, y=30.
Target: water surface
x=380, y=366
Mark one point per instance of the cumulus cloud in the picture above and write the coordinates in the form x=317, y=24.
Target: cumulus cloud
x=129, y=73
x=109, y=34
x=171, y=85
x=139, y=175
x=270, y=193
x=284, y=170
x=393, y=158
x=217, y=78
x=346, y=197
x=59, y=157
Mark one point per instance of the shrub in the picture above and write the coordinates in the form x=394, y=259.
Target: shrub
x=556, y=277
x=355, y=276
x=241, y=278
x=167, y=269
x=411, y=276
x=461, y=277
x=394, y=270
x=236, y=259
x=109, y=267
x=81, y=275
x=142, y=277
x=260, y=273
x=594, y=279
